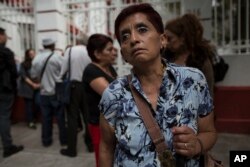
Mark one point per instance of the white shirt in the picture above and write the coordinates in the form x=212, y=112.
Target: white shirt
x=51, y=72
x=79, y=59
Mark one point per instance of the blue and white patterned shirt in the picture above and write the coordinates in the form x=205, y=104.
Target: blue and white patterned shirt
x=184, y=96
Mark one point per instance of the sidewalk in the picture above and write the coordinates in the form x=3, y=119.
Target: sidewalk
x=230, y=142
x=35, y=155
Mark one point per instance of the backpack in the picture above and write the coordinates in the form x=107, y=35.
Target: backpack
x=220, y=68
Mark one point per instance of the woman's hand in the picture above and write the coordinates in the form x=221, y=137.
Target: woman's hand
x=33, y=84
x=36, y=86
x=185, y=141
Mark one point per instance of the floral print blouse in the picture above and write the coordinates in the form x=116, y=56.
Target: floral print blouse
x=184, y=96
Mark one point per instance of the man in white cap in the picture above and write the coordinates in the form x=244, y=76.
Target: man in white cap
x=78, y=60
x=46, y=67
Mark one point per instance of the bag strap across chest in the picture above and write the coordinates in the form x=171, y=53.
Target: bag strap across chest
x=45, y=64
x=148, y=119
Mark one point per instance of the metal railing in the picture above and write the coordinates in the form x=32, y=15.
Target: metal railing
x=18, y=19
x=230, y=21
x=231, y=26
x=98, y=16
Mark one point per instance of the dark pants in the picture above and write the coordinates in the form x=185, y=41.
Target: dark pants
x=29, y=110
x=32, y=107
x=50, y=108
x=6, y=103
x=77, y=104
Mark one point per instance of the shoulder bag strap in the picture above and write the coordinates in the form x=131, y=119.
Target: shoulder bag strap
x=69, y=62
x=41, y=76
x=148, y=119
x=65, y=76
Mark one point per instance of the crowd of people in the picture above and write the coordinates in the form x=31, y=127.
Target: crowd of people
x=171, y=71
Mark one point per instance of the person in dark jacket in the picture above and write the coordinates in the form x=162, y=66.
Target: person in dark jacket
x=8, y=76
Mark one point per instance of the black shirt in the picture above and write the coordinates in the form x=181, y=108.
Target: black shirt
x=92, y=72
x=8, y=71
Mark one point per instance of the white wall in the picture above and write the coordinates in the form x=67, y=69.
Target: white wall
x=238, y=72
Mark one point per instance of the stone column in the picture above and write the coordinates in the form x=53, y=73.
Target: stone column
x=50, y=22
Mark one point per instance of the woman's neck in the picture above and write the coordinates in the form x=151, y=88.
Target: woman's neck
x=151, y=74
x=150, y=78
x=181, y=59
x=104, y=67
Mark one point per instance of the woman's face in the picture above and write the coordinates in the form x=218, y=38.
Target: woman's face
x=115, y=54
x=32, y=54
x=3, y=38
x=106, y=55
x=140, y=41
x=174, y=43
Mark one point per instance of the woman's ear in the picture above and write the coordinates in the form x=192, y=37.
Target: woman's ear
x=97, y=54
x=163, y=38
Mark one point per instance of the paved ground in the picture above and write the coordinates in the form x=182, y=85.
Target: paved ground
x=230, y=142
x=35, y=155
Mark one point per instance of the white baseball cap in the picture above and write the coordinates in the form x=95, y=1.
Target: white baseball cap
x=48, y=41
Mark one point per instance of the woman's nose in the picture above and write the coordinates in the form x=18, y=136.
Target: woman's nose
x=134, y=37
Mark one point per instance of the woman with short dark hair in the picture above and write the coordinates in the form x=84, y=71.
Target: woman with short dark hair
x=178, y=98
x=96, y=77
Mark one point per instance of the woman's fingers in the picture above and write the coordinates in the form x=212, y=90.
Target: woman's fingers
x=186, y=149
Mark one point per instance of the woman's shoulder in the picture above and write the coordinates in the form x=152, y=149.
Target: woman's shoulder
x=91, y=72
x=119, y=82
x=117, y=86
x=185, y=72
x=116, y=89
x=91, y=68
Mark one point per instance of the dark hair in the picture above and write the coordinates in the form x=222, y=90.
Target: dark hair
x=152, y=15
x=97, y=42
x=51, y=47
x=2, y=31
x=27, y=60
x=190, y=29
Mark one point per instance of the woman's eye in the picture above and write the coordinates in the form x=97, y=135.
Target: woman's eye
x=142, y=29
x=124, y=37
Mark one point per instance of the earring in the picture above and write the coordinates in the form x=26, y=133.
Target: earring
x=162, y=50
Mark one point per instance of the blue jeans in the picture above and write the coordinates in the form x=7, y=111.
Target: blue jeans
x=50, y=108
x=6, y=103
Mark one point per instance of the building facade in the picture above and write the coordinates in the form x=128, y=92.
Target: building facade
x=226, y=23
